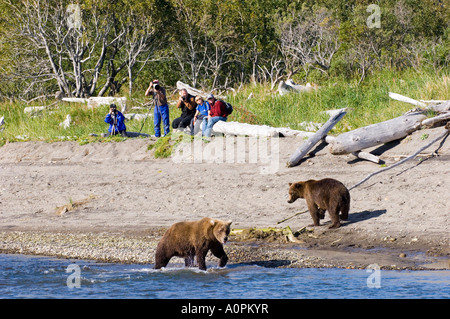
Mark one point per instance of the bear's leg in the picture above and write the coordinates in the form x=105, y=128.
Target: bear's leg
x=201, y=256
x=321, y=213
x=162, y=255
x=189, y=261
x=220, y=253
x=345, y=207
x=334, y=215
x=314, y=211
x=161, y=261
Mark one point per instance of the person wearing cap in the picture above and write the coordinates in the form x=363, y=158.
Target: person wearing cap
x=188, y=108
x=116, y=122
x=161, y=111
x=216, y=113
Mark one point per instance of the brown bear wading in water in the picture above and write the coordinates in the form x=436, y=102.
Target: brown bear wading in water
x=326, y=194
x=193, y=239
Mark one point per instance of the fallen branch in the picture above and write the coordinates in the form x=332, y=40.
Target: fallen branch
x=436, y=119
x=405, y=99
x=300, y=213
x=367, y=156
x=321, y=133
x=440, y=137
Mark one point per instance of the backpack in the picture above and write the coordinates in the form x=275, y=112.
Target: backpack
x=229, y=108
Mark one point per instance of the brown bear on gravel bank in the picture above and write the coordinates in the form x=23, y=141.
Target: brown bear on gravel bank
x=326, y=194
x=189, y=239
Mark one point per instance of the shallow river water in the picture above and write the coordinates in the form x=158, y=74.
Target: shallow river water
x=42, y=277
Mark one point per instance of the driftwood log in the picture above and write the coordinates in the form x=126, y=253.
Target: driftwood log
x=376, y=134
x=367, y=156
x=315, y=138
x=438, y=106
x=406, y=99
x=244, y=129
x=436, y=119
x=444, y=135
x=96, y=101
x=289, y=86
x=190, y=89
x=194, y=92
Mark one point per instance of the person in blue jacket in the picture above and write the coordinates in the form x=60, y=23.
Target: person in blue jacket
x=116, y=122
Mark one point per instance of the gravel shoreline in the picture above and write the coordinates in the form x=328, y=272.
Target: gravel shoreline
x=140, y=249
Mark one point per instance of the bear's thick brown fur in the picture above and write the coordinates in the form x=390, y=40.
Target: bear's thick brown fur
x=326, y=194
x=193, y=239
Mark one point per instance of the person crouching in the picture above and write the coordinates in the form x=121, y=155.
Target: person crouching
x=116, y=122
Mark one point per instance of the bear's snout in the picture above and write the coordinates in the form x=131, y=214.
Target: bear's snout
x=225, y=239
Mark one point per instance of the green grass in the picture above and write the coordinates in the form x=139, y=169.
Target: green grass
x=369, y=104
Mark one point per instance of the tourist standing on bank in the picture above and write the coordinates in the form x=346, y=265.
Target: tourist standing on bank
x=161, y=107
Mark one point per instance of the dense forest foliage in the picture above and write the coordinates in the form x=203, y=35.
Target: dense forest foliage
x=109, y=47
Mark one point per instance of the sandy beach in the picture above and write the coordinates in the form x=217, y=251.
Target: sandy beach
x=113, y=201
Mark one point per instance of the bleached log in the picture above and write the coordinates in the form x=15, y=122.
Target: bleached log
x=190, y=89
x=444, y=135
x=367, y=156
x=436, y=119
x=194, y=91
x=376, y=134
x=316, y=137
x=244, y=129
x=442, y=107
x=96, y=101
x=287, y=132
x=34, y=109
x=286, y=87
x=137, y=116
x=405, y=99
x=434, y=101
x=74, y=100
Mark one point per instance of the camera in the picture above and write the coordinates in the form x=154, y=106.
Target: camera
x=156, y=86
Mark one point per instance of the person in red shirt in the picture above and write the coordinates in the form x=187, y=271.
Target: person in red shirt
x=216, y=113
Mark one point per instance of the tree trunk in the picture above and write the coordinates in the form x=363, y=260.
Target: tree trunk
x=321, y=133
x=375, y=134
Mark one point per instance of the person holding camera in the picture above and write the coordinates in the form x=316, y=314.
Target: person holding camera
x=188, y=108
x=161, y=107
x=116, y=122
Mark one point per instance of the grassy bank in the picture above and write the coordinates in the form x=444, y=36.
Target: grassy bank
x=369, y=102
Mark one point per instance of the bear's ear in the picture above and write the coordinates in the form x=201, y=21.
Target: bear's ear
x=229, y=223
x=212, y=222
x=290, y=184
